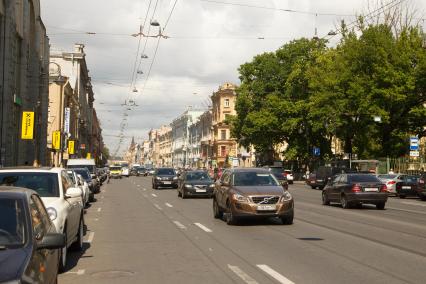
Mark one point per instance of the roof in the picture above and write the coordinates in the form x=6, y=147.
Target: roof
x=30, y=169
x=15, y=192
x=238, y=170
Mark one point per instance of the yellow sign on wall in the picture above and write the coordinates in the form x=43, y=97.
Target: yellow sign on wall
x=88, y=156
x=56, y=140
x=71, y=149
x=27, y=125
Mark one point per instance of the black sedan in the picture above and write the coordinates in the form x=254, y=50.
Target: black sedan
x=355, y=189
x=29, y=244
x=195, y=183
x=164, y=177
x=410, y=186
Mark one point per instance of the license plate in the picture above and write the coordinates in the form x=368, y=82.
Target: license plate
x=167, y=182
x=371, y=189
x=319, y=180
x=200, y=190
x=266, y=207
x=406, y=187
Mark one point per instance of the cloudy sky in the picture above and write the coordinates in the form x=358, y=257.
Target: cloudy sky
x=208, y=41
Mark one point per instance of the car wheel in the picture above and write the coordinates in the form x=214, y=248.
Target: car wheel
x=325, y=200
x=287, y=219
x=63, y=254
x=78, y=244
x=380, y=206
x=313, y=187
x=217, y=212
x=423, y=198
x=344, y=202
x=230, y=218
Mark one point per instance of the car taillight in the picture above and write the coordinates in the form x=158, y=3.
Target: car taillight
x=421, y=181
x=391, y=182
x=356, y=188
x=383, y=188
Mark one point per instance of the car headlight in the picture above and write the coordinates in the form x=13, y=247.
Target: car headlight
x=158, y=178
x=286, y=196
x=188, y=185
x=175, y=178
x=239, y=197
x=53, y=214
x=212, y=185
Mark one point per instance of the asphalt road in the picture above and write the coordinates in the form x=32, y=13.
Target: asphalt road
x=140, y=235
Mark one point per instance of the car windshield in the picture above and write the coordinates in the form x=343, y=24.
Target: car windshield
x=278, y=172
x=363, y=178
x=198, y=176
x=72, y=177
x=254, y=179
x=45, y=184
x=169, y=172
x=115, y=168
x=411, y=178
x=12, y=222
x=91, y=168
x=387, y=176
x=84, y=173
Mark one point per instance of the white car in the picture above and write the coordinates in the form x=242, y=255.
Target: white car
x=125, y=172
x=78, y=183
x=62, y=199
x=289, y=175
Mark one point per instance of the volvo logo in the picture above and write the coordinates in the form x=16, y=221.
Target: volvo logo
x=266, y=200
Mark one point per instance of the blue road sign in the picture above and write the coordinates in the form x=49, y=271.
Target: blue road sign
x=316, y=151
x=414, y=143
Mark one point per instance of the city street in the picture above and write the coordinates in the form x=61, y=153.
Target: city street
x=140, y=235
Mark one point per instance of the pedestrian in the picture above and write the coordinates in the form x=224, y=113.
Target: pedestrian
x=391, y=172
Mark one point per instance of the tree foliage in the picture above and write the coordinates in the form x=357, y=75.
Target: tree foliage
x=304, y=93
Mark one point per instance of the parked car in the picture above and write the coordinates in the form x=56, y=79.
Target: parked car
x=28, y=238
x=410, y=186
x=115, y=172
x=195, y=183
x=134, y=171
x=164, y=177
x=86, y=188
x=84, y=163
x=390, y=180
x=325, y=173
x=141, y=171
x=77, y=183
x=150, y=171
x=63, y=201
x=355, y=189
x=251, y=192
x=91, y=183
x=280, y=174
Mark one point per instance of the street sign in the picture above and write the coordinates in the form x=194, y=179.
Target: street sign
x=88, y=156
x=27, y=125
x=67, y=120
x=414, y=153
x=414, y=143
x=71, y=149
x=316, y=151
x=56, y=140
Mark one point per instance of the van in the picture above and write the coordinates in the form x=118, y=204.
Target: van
x=83, y=163
x=324, y=173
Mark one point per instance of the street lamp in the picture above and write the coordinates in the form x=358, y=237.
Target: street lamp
x=155, y=23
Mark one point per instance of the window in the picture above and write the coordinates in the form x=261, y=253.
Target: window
x=12, y=222
x=223, y=134
x=66, y=182
x=226, y=103
x=45, y=184
x=222, y=151
x=37, y=220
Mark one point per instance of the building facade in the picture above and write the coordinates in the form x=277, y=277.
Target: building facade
x=165, y=146
x=24, y=64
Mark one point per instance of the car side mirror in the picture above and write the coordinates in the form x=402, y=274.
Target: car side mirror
x=284, y=184
x=52, y=241
x=73, y=192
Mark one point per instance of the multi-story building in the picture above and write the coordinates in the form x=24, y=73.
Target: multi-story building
x=226, y=151
x=87, y=133
x=24, y=64
x=165, y=146
x=199, y=141
x=180, y=135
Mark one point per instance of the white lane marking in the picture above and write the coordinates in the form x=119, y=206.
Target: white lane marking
x=202, y=227
x=153, y=194
x=78, y=272
x=90, y=238
x=415, y=204
x=144, y=189
x=169, y=205
x=96, y=219
x=139, y=185
x=180, y=225
x=99, y=209
x=280, y=278
x=244, y=276
x=158, y=207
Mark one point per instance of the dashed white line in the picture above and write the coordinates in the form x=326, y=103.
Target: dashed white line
x=153, y=194
x=180, y=225
x=202, y=227
x=144, y=189
x=158, y=207
x=78, y=272
x=244, y=276
x=90, y=238
x=96, y=219
x=280, y=278
x=139, y=185
x=99, y=209
x=415, y=204
x=169, y=205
